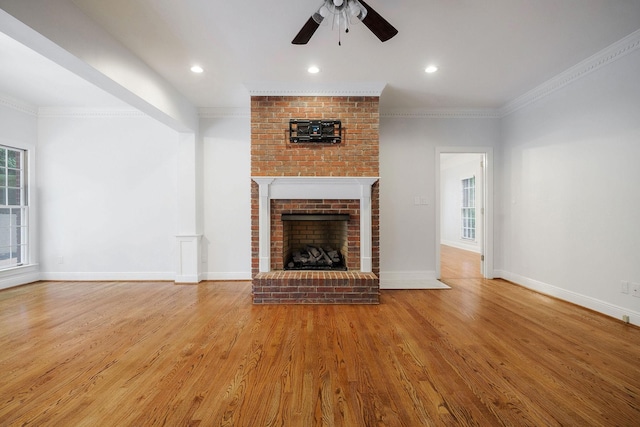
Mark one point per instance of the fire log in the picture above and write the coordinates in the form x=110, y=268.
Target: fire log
x=314, y=252
x=326, y=257
x=333, y=254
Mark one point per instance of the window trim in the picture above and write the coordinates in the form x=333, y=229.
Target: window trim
x=17, y=229
x=28, y=270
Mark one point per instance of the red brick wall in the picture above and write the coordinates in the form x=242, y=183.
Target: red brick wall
x=375, y=228
x=273, y=155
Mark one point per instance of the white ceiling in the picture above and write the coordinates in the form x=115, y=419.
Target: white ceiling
x=489, y=51
x=32, y=79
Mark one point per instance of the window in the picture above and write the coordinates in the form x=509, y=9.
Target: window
x=469, y=208
x=13, y=208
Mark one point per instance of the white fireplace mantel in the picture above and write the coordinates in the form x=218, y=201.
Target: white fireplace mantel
x=314, y=187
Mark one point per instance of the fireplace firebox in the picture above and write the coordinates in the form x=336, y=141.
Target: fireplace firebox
x=315, y=241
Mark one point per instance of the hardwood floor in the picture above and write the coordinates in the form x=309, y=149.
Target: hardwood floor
x=483, y=353
x=459, y=264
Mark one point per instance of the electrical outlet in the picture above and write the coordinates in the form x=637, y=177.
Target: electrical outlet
x=635, y=290
x=624, y=287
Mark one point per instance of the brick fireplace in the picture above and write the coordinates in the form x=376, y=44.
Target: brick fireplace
x=337, y=180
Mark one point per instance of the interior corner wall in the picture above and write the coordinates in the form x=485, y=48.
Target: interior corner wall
x=407, y=170
x=226, y=245
x=571, y=204
x=107, y=190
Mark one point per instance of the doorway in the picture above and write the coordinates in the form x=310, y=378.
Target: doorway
x=464, y=241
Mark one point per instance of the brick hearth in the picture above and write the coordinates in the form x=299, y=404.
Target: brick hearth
x=272, y=155
x=312, y=287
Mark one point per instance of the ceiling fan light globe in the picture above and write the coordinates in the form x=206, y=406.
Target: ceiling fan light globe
x=338, y=3
x=357, y=10
x=323, y=11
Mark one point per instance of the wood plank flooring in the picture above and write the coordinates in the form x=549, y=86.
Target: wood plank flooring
x=483, y=353
x=457, y=263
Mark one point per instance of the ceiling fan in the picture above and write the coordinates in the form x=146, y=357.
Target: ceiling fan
x=342, y=11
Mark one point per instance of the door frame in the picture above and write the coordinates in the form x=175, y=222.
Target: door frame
x=487, y=194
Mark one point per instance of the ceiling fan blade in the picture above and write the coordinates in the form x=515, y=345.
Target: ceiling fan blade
x=377, y=24
x=305, y=33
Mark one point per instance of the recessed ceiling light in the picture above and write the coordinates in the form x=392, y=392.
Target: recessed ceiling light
x=313, y=69
x=431, y=69
x=197, y=69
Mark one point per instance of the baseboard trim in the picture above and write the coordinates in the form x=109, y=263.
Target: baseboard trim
x=226, y=275
x=108, y=276
x=134, y=276
x=585, y=301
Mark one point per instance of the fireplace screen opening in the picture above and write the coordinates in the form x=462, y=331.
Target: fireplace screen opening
x=315, y=241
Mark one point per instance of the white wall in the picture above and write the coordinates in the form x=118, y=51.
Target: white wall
x=454, y=169
x=227, y=198
x=107, y=190
x=407, y=170
x=571, y=199
x=17, y=125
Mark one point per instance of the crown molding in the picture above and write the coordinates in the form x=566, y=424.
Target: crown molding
x=89, y=113
x=20, y=106
x=224, y=113
x=458, y=113
x=606, y=56
x=316, y=89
